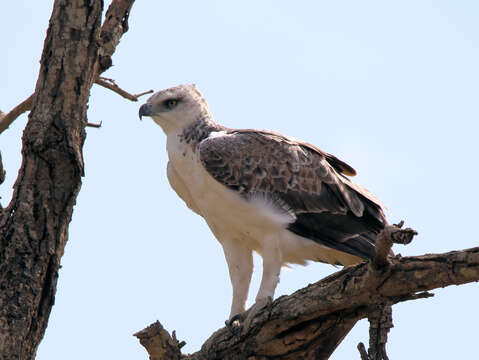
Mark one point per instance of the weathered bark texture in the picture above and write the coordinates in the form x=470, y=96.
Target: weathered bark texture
x=34, y=232
x=310, y=323
x=34, y=227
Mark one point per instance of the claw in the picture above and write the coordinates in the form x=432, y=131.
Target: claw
x=237, y=318
x=235, y=322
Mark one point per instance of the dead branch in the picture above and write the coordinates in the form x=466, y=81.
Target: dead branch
x=391, y=234
x=162, y=345
x=380, y=319
x=111, y=84
x=380, y=322
x=7, y=119
x=362, y=351
x=311, y=322
x=114, y=26
x=94, y=125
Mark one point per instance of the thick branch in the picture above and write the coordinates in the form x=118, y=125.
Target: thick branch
x=114, y=26
x=310, y=323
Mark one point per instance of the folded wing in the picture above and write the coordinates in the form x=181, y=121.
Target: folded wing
x=325, y=206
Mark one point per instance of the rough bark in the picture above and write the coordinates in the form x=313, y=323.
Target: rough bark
x=310, y=323
x=34, y=234
x=34, y=226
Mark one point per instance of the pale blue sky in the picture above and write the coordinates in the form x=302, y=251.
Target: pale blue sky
x=391, y=88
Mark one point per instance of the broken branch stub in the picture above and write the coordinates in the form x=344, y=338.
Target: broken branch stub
x=158, y=342
x=391, y=234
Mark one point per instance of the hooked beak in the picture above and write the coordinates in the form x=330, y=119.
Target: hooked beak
x=145, y=110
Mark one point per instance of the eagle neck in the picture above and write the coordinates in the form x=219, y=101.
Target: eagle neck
x=199, y=130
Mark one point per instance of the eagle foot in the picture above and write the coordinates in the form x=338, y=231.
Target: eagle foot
x=234, y=324
x=258, y=306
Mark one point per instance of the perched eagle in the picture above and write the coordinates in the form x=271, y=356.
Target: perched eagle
x=262, y=191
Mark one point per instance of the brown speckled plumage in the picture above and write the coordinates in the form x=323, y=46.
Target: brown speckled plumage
x=326, y=206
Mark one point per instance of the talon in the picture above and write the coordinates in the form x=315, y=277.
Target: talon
x=234, y=323
x=237, y=317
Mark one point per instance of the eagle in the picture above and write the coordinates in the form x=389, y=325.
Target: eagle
x=262, y=191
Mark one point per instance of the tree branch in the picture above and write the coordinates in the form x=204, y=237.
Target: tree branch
x=380, y=322
x=7, y=119
x=111, y=84
x=114, y=26
x=311, y=322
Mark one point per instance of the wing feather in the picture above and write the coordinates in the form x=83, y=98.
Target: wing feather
x=327, y=206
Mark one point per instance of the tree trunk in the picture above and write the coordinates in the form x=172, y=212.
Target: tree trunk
x=34, y=227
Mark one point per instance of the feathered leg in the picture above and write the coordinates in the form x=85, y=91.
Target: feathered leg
x=240, y=265
x=272, y=261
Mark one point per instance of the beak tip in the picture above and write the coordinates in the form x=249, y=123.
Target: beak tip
x=144, y=111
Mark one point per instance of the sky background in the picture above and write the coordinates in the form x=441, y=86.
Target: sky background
x=392, y=88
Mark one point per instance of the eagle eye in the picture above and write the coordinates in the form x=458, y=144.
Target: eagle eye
x=171, y=103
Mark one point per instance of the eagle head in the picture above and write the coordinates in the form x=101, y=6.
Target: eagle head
x=175, y=108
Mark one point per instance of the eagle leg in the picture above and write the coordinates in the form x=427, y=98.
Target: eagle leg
x=272, y=261
x=240, y=265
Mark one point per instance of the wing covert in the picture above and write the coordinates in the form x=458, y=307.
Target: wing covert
x=329, y=209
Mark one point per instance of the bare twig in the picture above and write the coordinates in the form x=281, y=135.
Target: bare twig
x=179, y=343
x=94, y=125
x=111, y=84
x=7, y=119
x=413, y=296
x=363, y=352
